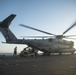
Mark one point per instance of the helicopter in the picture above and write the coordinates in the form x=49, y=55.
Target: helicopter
x=48, y=44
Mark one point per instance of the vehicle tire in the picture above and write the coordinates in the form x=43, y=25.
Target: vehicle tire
x=60, y=53
x=72, y=52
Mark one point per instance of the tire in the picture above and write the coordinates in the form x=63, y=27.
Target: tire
x=60, y=53
x=72, y=52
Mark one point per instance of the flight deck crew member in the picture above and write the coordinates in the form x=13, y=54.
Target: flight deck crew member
x=15, y=51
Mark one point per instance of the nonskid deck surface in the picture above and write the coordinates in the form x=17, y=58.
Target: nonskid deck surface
x=43, y=65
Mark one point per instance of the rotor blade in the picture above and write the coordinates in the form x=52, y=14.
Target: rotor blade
x=36, y=36
x=70, y=36
x=36, y=29
x=69, y=28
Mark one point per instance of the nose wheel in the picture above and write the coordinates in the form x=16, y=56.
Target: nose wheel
x=60, y=53
x=46, y=53
x=72, y=52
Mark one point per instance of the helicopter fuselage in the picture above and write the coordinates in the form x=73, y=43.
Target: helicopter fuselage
x=51, y=45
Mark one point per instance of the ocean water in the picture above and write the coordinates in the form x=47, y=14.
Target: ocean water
x=6, y=54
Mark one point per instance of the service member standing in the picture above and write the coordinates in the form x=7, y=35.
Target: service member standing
x=15, y=51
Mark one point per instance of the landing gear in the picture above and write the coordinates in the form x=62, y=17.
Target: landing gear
x=46, y=54
x=60, y=53
x=72, y=52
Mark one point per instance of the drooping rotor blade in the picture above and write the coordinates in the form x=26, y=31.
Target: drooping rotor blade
x=70, y=36
x=69, y=28
x=36, y=29
x=64, y=36
x=36, y=36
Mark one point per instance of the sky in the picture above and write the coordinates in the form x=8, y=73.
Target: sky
x=53, y=16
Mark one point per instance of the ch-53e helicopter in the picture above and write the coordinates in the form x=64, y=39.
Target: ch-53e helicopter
x=49, y=45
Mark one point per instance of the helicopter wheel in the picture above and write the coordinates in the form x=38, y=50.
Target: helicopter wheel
x=60, y=53
x=72, y=52
x=46, y=54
